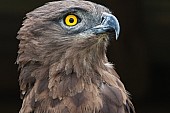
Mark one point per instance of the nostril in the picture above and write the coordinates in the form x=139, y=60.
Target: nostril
x=103, y=19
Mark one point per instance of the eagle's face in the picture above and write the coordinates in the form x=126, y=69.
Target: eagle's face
x=72, y=18
x=60, y=25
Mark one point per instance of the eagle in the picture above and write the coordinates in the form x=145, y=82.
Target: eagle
x=62, y=60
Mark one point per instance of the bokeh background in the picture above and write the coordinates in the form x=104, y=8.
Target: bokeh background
x=141, y=54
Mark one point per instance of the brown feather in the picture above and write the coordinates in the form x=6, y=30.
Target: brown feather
x=65, y=72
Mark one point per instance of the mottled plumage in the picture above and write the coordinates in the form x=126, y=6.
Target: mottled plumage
x=64, y=69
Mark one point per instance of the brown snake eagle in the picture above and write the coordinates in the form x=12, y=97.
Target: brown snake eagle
x=62, y=60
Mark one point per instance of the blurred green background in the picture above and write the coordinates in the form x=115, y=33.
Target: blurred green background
x=141, y=54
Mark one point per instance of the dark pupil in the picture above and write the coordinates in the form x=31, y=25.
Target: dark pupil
x=71, y=20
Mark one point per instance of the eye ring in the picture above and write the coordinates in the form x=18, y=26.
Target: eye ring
x=71, y=20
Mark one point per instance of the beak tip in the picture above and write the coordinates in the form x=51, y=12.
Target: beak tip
x=117, y=35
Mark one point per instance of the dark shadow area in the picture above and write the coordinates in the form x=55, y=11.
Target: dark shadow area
x=141, y=54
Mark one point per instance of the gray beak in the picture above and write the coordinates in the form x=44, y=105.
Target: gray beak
x=109, y=24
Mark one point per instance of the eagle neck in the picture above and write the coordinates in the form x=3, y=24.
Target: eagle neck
x=83, y=61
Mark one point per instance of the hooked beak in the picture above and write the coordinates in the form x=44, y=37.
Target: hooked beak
x=109, y=24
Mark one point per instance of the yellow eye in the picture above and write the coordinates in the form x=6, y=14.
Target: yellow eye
x=71, y=20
